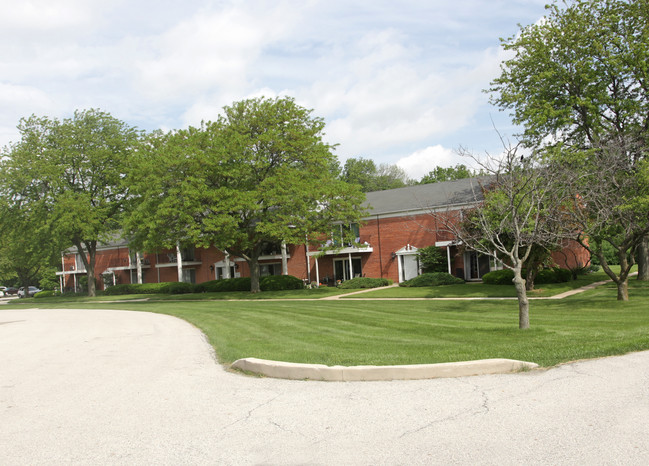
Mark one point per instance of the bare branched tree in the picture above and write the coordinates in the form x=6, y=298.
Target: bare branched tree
x=517, y=209
x=610, y=192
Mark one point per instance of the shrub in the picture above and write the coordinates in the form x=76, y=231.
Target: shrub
x=119, y=290
x=280, y=282
x=150, y=288
x=45, y=294
x=432, y=279
x=554, y=275
x=544, y=276
x=433, y=259
x=498, y=277
x=179, y=288
x=228, y=284
x=364, y=282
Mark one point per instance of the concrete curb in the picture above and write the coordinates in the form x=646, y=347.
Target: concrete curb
x=295, y=371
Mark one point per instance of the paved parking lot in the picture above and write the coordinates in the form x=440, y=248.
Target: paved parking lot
x=117, y=387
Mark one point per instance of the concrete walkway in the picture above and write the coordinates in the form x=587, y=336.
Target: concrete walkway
x=565, y=294
x=85, y=387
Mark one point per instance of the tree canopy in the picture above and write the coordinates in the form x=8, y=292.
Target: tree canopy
x=439, y=174
x=580, y=76
x=578, y=83
x=69, y=174
x=370, y=177
x=259, y=174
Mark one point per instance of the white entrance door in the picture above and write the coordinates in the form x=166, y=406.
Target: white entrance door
x=409, y=266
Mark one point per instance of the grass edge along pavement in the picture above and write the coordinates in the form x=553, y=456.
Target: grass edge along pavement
x=390, y=332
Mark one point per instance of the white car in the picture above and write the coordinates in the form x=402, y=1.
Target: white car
x=32, y=291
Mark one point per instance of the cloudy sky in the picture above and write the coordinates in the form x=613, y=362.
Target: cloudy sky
x=396, y=81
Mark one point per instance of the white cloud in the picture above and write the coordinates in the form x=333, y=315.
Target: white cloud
x=387, y=78
x=423, y=161
x=211, y=51
x=28, y=17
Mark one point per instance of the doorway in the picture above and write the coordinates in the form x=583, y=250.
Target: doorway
x=341, y=269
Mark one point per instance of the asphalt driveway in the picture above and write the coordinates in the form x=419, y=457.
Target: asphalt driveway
x=118, y=387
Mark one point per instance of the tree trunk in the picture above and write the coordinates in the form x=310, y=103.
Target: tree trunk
x=622, y=281
x=531, y=275
x=523, y=302
x=253, y=263
x=92, y=288
x=623, y=290
x=643, y=259
x=89, y=263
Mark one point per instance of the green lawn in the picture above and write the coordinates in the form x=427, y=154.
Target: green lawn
x=316, y=293
x=480, y=290
x=352, y=332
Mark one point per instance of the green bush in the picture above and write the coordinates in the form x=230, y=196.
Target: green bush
x=554, y=275
x=46, y=294
x=498, y=277
x=364, y=282
x=280, y=282
x=228, y=284
x=179, y=288
x=119, y=290
x=150, y=288
x=544, y=276
x=433, y=259
x=432, y=279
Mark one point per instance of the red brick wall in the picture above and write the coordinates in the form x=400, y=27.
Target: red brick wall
x=385, y=235
x=573, y=255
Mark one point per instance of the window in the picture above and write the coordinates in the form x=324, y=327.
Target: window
x=271, y=249
x=134, y=276
x=220, y=272
x=342, y=272
x=346, y=234
x=187, y=254
x=270, y=269
x=189, y=275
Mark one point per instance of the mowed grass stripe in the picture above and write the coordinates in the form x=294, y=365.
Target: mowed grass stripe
x=357, y=332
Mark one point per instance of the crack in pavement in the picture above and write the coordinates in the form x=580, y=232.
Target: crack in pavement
x=249, y=415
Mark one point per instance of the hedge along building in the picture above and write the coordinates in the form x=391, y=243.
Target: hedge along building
x=399, y=223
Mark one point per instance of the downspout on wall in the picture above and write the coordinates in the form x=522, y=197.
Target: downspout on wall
x=378, y=231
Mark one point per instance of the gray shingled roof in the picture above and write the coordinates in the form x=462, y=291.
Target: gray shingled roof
x=425, y=196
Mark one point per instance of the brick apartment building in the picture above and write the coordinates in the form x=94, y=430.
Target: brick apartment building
x=399, y=222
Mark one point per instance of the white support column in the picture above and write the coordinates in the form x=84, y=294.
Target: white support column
x=62, y=277
x=138, y=263
x=317, y=272
x=351, y=269
x=448, y=258
x=114, y=279
x=226, y=261
x=284, y=260
x=179, y=262
x=400, y=267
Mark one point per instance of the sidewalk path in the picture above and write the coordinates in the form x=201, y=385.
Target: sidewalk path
x=565, y=294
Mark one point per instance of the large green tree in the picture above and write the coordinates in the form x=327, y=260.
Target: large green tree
x=71, y=171
x=260, y=174
x=610, y=206
x=370, y=177
x=28, y=251
x=439, y=174
x=579, y=81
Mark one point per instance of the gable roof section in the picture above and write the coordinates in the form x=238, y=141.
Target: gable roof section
x=433, y=196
